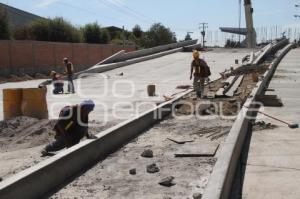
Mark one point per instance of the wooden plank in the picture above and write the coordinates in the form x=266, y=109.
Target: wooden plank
x=234, y=87
x=197, y=150
x=220, y=92
x=180, y=140
x=229, y=83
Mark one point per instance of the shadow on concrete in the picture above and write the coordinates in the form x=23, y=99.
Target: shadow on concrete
x=237, y=186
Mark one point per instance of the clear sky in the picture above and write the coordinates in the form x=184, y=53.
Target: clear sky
x=180, y=15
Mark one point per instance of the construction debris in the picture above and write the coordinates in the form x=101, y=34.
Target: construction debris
x=197, y=150
x=184, y=87
x=167, y=182
x=148, y=153
x=180, y=141
x=132, y=171
x=152, y=168
x=234, y=86
x=197, y=196
x=262, y=125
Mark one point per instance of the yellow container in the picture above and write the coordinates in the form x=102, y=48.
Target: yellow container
x=34, y=103
x=151, y=90
x=12, y=100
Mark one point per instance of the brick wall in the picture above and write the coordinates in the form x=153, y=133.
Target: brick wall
x=41, y=57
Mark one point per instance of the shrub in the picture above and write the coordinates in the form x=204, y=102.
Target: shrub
x=93, y=33
x=57, y=30
x=4, y=25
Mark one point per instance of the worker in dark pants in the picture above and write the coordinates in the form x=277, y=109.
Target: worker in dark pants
x=69, y=71
x=58, y=84
x=201, y=72
x=71, y=127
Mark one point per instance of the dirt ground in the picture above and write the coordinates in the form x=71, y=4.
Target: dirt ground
x=25, y=137
x=111, y=178
x=22, y=77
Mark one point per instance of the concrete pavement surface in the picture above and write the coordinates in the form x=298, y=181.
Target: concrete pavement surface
x=121, y=93
x=273, y=165
x=130, y=97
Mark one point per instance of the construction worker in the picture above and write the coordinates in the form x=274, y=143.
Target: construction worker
x=201, y=72
x=58, y=83
x=69, y=71
x=71, y=127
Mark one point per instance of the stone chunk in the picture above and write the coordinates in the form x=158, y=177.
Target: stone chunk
x=167, y=182
x=132, y=171
x=148, y=153
x=152, y=168
x=197, y=195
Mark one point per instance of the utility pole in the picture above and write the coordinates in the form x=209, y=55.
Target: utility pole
x=123, y=37
x=203, y=26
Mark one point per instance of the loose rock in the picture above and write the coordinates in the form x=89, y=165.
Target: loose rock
x=197, y=195
x=132, y=171
x=148, y=153
x=152, y=168
x=167, y=182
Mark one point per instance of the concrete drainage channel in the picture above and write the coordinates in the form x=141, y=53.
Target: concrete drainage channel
x=48, y=175
x=221, y=179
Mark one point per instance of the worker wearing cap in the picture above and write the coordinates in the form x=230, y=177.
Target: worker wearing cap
x=71, y=126
x=200, y=70
x=69, y=71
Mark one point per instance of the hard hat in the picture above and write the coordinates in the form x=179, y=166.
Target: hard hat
x=65, y=59
x=196, y=54
x=89, y=105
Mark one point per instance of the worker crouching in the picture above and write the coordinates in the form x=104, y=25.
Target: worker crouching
x=71, y=127
x=58, y=83
x=201, y=72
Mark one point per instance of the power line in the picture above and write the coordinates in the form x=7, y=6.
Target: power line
x=138, y=14
x=88, y=11
x=109, y=4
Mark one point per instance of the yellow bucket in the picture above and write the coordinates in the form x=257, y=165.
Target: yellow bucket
x=151, y=90
x=12, y=100
x=34, y=103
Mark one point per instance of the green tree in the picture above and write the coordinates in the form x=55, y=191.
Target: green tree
x=158, y=35
x=22, y=33
x=104, y=35
x=57, y=30
x=91, y=33
x=4, y=25
x=63, y=31
x=137, y=31
x=40, y=30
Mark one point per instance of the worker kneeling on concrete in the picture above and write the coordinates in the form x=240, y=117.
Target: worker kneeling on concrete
x=201, y=72
x=58, y=83
x=71, y=127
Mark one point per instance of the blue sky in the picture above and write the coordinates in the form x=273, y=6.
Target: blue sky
x=180, y=15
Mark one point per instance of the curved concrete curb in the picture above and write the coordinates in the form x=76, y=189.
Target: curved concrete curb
x=46, y=176
x=150, y=51
x=221, y=179
x=107, y=67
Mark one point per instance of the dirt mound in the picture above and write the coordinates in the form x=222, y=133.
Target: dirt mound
x=25, y=132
